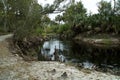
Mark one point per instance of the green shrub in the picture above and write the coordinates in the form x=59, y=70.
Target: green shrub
x=63, y=28
x=39, y=30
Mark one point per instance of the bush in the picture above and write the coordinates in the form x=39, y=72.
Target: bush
x=39, y=30
x=63, y=28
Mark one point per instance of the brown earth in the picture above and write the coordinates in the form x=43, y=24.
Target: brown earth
x=13, y=67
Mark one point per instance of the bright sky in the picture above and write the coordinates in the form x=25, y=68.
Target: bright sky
x=90, y=5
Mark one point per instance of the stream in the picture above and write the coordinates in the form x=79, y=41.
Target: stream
x=84, y=55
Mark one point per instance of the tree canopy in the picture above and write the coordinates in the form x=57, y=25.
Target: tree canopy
x=24, y=17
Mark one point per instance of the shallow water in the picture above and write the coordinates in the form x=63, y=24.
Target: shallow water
x=85, y=55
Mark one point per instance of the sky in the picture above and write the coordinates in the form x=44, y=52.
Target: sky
x=90, y=5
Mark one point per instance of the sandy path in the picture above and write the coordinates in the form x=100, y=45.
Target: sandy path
x=2, y=38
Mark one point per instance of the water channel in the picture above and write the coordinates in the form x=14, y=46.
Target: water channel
x=85, y=55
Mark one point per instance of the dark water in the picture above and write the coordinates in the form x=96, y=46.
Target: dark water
x=85, y=55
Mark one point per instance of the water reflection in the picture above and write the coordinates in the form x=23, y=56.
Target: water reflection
x=50, y=47
x=86, y=55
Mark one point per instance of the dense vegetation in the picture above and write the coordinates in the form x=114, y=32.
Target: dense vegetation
x=26, y=17
x=105, y=21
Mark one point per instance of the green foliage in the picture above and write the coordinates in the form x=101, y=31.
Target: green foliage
x=58, y=18
x=105, y=21
x=75, y=14
x=53, y=28
x=27, y=17
x=63, y=28
x=38, y=31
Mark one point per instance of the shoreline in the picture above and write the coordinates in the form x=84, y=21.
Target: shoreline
x=14, y=67
x=99, y=42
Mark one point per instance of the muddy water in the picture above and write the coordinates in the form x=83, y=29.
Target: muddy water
x=84, y=55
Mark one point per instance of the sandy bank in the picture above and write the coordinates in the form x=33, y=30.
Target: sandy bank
x=13, y=67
